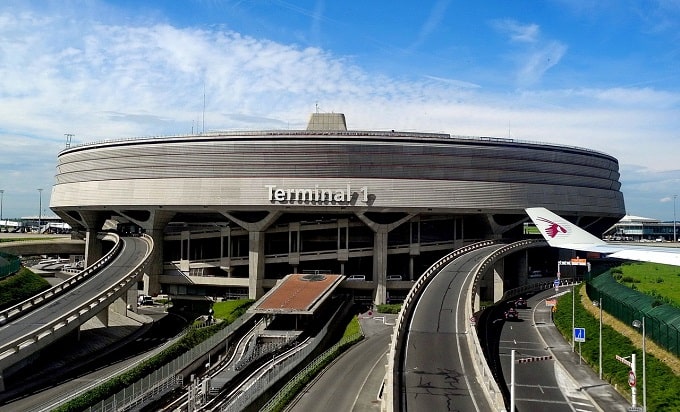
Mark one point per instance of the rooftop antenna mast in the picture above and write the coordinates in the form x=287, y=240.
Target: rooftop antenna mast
x=204, y=107
x=69, y=136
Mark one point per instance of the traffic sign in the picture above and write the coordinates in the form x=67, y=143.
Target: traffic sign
x=623, y=360
x=579, y=334
x=631, y=379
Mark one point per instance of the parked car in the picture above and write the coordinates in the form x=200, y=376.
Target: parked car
x=145, y=300
x=536, y=274
x=356, y=277
x=393, y=277
x=521, y=303
x=511, y=314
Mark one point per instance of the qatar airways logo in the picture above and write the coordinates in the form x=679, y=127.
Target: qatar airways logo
x=553, y=228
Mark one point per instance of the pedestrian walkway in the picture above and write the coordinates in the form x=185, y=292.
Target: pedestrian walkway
x=579, y=378
x=93, y=341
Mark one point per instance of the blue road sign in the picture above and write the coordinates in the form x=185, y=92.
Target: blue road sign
x=556, y=282
x=579, y=334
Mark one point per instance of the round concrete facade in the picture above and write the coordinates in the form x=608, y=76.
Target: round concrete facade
x=272, y=186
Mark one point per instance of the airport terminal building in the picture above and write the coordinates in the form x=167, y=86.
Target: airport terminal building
x=233, y=212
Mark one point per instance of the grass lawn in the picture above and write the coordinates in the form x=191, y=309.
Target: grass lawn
x=229, y=310
x=653, y=279
x=663, y=385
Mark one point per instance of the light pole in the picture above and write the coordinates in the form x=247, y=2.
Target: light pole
x=638, y=324
x=598, y=303
x=573, y=316
x=40, y=210
x=675, y=235
x=2, y=195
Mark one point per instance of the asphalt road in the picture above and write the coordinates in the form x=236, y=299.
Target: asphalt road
x=90, y=368
x=130, y=256
x=560, y=384
x=353, y=381
x=438, y=373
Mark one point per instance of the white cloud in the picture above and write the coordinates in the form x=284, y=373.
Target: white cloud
x=522, y=33
x=109, y=81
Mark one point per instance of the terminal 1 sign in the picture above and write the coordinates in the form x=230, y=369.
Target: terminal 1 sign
x=317, y=195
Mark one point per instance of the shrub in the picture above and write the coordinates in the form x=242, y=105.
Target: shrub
x=392, y=308
x=20, y=287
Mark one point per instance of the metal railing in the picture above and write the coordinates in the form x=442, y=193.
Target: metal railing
x=45, y=296
x=272, y=372
x=301, y=377
x=392, y=386
x=140, y=390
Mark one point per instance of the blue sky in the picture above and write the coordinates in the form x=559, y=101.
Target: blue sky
x=599, y=74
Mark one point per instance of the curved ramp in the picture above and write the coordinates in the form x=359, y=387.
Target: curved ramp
x=55, y=319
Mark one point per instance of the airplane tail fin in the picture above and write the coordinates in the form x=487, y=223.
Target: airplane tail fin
x=559, y=232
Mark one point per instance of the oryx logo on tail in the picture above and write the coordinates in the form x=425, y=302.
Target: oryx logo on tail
x=553, y=228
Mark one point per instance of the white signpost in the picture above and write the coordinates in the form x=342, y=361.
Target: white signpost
x=632, y=380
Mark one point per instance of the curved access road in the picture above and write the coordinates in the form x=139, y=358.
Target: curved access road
x=90, y=295
x=439, y=373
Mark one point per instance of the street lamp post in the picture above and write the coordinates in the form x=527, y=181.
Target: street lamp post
x=675, y=235
x=598, y=303
x=638, y=324
x=2, y=195
x=40, y=210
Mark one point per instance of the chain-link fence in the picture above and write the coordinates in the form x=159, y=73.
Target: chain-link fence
x=662, y=321
x=9, y=264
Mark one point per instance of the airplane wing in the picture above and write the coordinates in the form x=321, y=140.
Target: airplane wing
x=563, y=234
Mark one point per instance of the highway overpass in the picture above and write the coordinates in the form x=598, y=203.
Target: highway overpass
x=38, y=322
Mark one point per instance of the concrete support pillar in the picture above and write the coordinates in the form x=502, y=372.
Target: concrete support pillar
x=498, y=275
x=120, y=305
x=154, y=226
x=256, y=250
x=523, y=269
x=155, y=267
x=256, y=264
x=103, y=316
x=380, y=266
x=93, y=223
x=94, y=249
x=381, y=232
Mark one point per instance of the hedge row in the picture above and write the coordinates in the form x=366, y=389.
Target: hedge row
x=109, y=388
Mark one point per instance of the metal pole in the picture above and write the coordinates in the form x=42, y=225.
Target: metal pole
x=2, y=195
x=40, y=210
x=675, y=235
x=512, y=380
x=644, y=368
x=600, y=337
x=573, y=303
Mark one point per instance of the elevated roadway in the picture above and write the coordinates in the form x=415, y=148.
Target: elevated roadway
x=26, y=244
x=59, y=316
x=438, y=371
